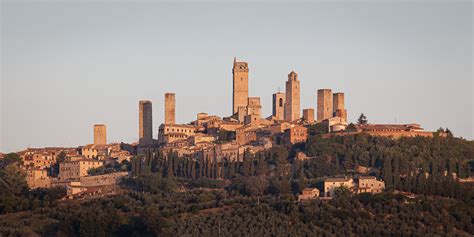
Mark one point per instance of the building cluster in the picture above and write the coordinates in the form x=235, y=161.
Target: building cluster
x=71, y=167
x=216, y=138
x=246, y=129
x=361, y=184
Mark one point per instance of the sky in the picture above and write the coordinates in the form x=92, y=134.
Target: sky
x=66, y=65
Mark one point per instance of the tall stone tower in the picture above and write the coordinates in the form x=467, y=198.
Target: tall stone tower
x=240, y=88
x=324, y=104
x=100, y=134
x=338, y=106
x=170, y=108
x=308, y=115
x=292, y=105
x=145, y=122
x=279, y=105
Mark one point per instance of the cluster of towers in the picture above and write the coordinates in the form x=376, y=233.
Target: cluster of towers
x=145, y=119
x=286, y=106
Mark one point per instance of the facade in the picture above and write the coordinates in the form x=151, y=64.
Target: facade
x=37, y=178
x=170, y=108
x=173, y=131
x=308, y=194
x=74, y=169
x=295, y=134
x=145, y=123
x=325, y=106
x=308, y=115
x=95, y=151
x=292, y=102
x=240, y=90
x=100, y=134
x=332, y=183
x=278, y=109
x=247, y=134
x=369, y=184
x=253, y=107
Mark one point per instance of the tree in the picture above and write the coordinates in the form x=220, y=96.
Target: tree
x=10, y=158
x=362, y=119
x=12, y=185
x=256, y=185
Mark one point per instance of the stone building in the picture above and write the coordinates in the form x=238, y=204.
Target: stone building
x=100, y=134
x=173, y=132
x=362, y=184
x=247, y=134
x=145, y=122
x=338, y=106
x=253, y=107
x=369, y=184
x=37, y=178
x=278, y=109
x=292, y=102
x=170, y=108
x=331, y=184
x=76, y=168
x=308, y=194
x=308, y=115
x=325, y=106
x=240, y=90
x=388, y=130
x=95, y=151
x=295, y=134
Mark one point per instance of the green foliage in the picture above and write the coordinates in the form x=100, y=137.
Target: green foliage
x=10, y=158
x=362, y=119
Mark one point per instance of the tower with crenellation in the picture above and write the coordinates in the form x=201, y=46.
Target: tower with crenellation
x=240, y=85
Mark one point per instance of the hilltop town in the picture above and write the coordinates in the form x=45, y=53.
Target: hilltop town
x=216, y=140
x=296, y=171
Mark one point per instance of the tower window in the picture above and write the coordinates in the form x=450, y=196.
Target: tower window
x=281, y=102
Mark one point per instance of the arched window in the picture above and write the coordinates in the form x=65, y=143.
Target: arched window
x=281, y=102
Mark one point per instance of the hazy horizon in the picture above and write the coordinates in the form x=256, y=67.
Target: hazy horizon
x=66, y=66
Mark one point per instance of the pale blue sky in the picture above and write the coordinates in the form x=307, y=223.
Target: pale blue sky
x=67, y=65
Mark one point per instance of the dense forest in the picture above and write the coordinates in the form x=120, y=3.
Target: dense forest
x=180, y=196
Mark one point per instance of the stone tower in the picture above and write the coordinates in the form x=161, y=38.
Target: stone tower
x=324, y=104
x=338, y=106
x=170, y=108
x=308, y=115
x=337, y=101
x=100, y=134
x=145, y=122
x=279, y=105
x=292, y=105
x=240, y=88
